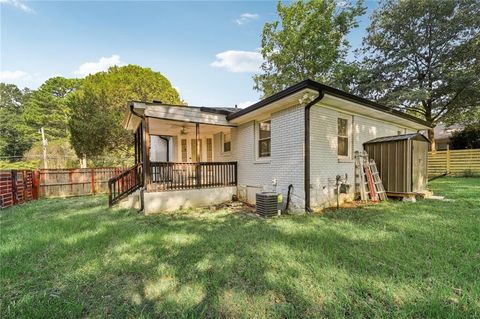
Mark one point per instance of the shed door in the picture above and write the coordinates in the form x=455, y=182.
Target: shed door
x=419, y=166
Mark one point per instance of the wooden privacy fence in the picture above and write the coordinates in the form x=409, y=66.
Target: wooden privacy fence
x=17, y=187
x=455, y=162
x=76, y=182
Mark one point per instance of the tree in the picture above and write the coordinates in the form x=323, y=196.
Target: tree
x=47, y=107
x=99, y=106
x=469, y=137
x=309, y=41
x=423, y=57
x=14, y=139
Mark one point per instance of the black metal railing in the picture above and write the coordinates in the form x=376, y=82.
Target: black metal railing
x=176, y=176
x=124, y=184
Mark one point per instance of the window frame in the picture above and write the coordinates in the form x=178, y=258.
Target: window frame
x=347, y=136
x=259, y=139
x=223, y=143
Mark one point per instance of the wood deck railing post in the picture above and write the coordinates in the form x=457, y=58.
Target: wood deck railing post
x=199, y=177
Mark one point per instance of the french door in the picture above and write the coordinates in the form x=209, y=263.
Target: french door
x=188, y=150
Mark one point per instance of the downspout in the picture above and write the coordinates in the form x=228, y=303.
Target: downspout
x=142, y=190
x=306, y=178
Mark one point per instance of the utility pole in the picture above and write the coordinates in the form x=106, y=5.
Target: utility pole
x=44, y=144
x=83, y=161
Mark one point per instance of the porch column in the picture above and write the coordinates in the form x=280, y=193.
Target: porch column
x=197, y=144
x=146, y=155
x=135, y=146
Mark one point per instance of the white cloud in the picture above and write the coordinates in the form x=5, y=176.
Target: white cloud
x=20, y=4
x=238, y=61
x=22, y=79
x=246, y=18
x=102, y=65
x=243, y=105
x=13, y=76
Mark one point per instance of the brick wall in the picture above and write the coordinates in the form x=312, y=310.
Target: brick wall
x=288, y=153
x=286, y=163
x=325, y=163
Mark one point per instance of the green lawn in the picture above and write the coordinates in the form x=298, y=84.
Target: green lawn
x=76, y=258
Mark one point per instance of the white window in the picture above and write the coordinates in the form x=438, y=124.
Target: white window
x=264, y=138
x=342, y=138
x=226, y=142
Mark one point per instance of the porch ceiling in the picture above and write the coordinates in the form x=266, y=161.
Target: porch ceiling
x=175, y=128
x=177, y=116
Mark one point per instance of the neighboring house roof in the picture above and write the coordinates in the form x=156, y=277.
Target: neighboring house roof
x=402, y=137
x=325, y=89
x=442, y=131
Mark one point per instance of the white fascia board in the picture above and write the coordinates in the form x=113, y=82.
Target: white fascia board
x=130, y=120
x=185, y=114
x=298, y=98
x=353, y=108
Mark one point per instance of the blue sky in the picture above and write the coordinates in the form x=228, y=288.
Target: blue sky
x=208, y=50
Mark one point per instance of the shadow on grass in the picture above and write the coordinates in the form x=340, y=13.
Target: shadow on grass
x=74, y=258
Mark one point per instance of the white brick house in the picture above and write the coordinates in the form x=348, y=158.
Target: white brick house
x=303, y=136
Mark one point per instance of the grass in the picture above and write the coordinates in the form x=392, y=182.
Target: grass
x=76, y=258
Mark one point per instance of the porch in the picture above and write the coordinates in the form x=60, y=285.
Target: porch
x=177, y=176
x=177, y=148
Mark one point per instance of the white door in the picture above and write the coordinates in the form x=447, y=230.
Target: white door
x=188, y=149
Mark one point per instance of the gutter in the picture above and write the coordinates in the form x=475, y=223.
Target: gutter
x=310, y=84
x=142, y=117
x=306, y=178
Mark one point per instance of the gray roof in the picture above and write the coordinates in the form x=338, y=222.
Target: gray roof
x=322, y=88
x=221, y=110
x=208, y=109
x=402, y=137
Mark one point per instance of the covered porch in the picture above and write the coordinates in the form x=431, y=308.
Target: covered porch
x=177, y=148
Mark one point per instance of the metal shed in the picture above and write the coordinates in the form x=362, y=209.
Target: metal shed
x=401, y=161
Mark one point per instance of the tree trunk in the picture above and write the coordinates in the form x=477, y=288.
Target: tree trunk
x=431, y=137
x=428, y=117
